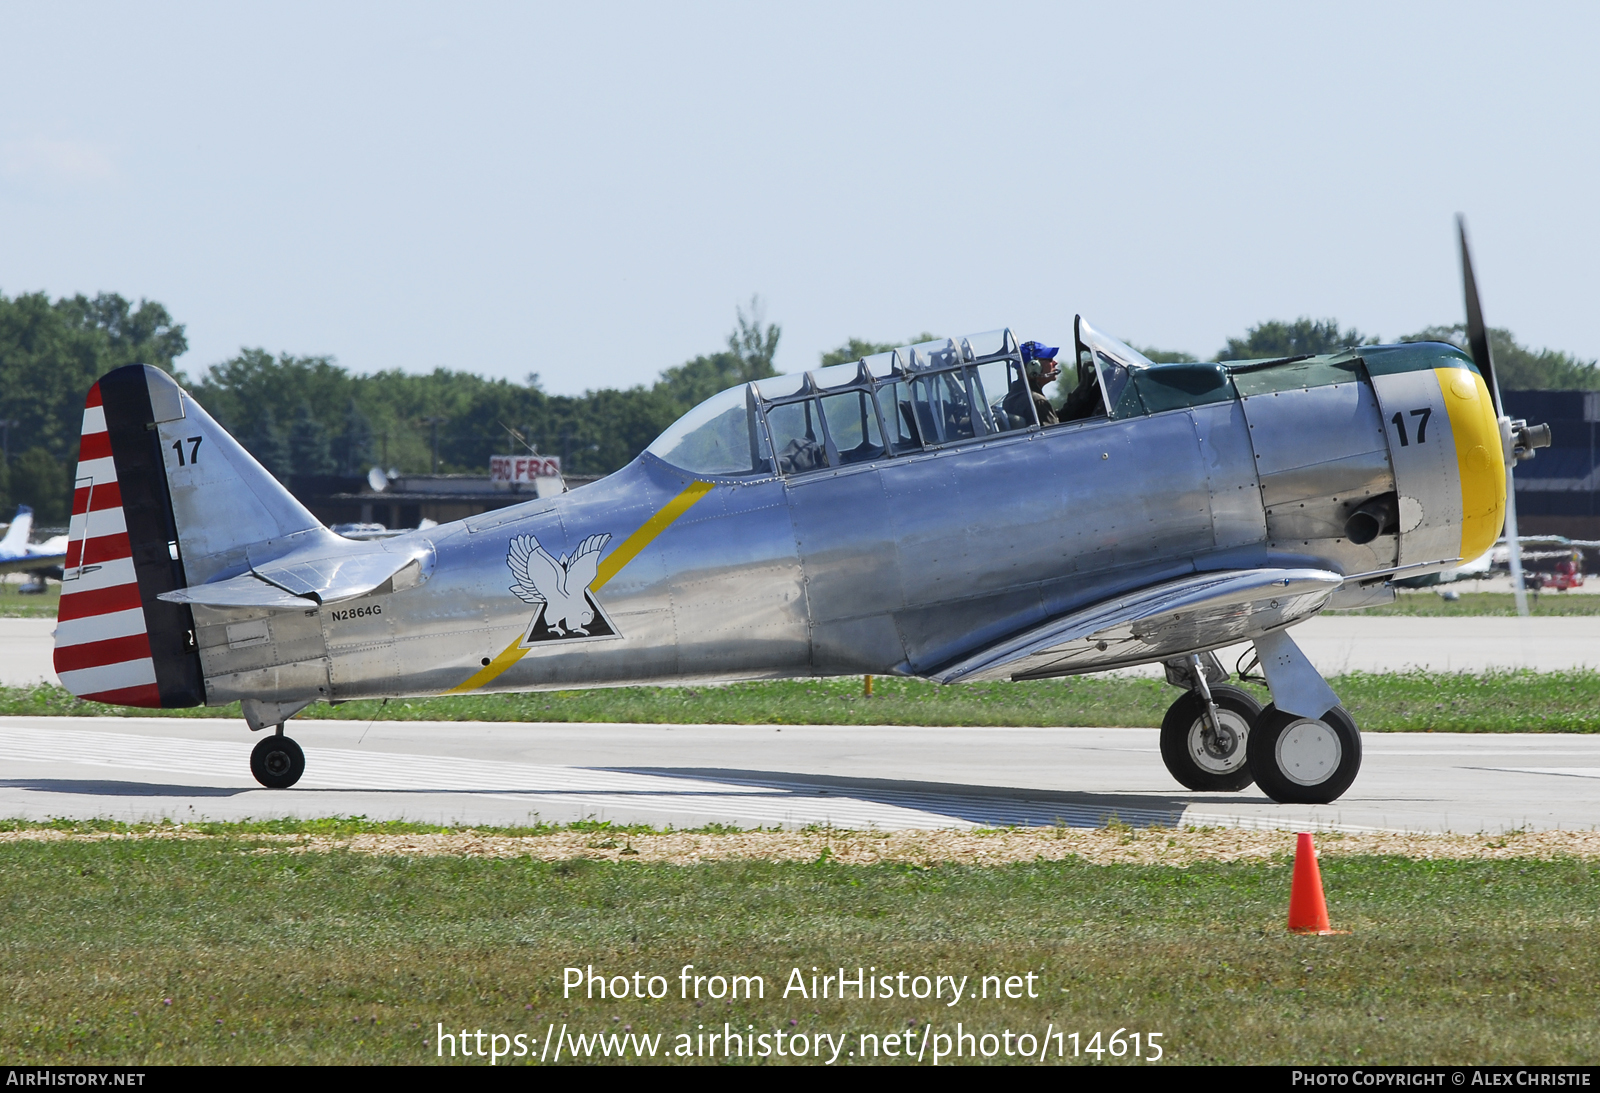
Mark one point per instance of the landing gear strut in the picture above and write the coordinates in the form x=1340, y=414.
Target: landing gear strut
x=1205, y=735
x=1298, y=758
x=277, y=762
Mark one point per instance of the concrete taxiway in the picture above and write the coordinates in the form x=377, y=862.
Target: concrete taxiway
x=849, y=776
x=749, y=776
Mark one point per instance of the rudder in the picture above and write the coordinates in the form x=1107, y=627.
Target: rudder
x=163, y=497
x=115, y=641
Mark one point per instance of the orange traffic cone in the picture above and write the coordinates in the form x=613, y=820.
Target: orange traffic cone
x=1308, y=911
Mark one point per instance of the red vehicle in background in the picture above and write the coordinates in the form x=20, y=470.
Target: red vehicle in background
x=1567, y=575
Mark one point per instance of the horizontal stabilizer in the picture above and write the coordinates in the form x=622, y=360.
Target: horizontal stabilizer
x=298, y=581
x=246, y=591
x=341, y=577
x=1204, y=611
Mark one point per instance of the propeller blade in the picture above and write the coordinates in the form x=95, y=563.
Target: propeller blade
x=1478, y=341
x=1477, y=332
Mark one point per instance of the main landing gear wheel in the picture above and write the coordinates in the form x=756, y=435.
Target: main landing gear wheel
x=1304, y=760
x=1200, y=758
x=277, y=762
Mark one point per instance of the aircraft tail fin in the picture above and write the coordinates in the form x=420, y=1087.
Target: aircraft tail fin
x=16, y=539
x=163, y=498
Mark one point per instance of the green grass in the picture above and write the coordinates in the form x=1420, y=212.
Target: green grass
x=163, y=951
x=1510, y=701
x=1429, y=602
x=44, y=605
x=339, y=827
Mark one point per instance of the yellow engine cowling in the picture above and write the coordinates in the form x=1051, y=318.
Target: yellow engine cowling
x=1446, y=451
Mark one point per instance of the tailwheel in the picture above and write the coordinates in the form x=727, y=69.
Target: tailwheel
x=1204, y=758
x=1305, y=760
x=277, y=762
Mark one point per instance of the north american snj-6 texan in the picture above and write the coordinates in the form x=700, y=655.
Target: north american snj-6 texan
x=917, y=513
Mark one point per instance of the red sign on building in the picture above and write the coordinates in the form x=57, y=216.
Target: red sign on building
x=523, y=468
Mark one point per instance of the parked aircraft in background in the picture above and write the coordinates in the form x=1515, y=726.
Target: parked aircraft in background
x=18, y=555
x=1566, y=573
x=910, y=513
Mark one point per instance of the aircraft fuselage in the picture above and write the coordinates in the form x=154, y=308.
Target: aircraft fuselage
x=895, y=565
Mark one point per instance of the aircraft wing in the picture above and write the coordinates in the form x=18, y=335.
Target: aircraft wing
x=32, y=563
x=1203, y=611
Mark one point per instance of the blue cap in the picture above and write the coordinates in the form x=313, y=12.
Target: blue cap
x=1038, y=351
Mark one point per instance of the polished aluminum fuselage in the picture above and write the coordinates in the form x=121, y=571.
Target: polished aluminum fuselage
x=898, y=566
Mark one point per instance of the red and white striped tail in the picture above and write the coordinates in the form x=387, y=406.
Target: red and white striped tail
x=116, y=639
x=102, y=638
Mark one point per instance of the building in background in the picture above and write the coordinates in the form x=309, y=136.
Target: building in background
x=1558, y=491
x=408, y=499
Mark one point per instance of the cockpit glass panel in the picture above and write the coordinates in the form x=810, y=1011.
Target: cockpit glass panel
x=837, y=375
x=881, y=365
x=1001, y=395
x=781, y=386
x=939, y=353
x=853, y=426
x=990, y=343
x=798, y=439
x=900, y=417
x=942, y=407
x=716, y=437
x=1114, y=377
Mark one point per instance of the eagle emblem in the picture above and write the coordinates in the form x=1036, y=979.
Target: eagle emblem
x=560, y=588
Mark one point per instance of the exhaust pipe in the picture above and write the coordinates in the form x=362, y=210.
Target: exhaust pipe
x=1525, y=438
x=1376, y=516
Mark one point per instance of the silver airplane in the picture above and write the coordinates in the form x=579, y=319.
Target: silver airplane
x=906, y=514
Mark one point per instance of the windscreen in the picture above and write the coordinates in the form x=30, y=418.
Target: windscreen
x=717, y=437
x=1114, y=362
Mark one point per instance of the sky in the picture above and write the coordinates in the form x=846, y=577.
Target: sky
x=589, y=191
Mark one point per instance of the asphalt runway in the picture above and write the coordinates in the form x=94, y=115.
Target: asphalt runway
x=749, y=776
x=893, y=777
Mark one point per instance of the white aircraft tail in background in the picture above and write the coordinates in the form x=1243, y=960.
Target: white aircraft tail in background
x=15, y=543
x=18, y=555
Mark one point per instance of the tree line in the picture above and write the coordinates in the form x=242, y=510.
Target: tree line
x=1518, y=367
x=307, y=416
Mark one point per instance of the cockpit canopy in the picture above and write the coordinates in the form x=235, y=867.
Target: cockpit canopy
x=936, y=393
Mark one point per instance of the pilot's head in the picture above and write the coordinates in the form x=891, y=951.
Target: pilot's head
x=1040, y=361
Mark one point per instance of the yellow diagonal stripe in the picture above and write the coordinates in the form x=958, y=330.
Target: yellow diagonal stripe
x=508, y=656
x=633, y=544
x=626, y=552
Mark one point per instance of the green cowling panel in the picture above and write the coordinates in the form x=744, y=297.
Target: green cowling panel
x=1387, y=360
x=1174, y=386
x=1296, y=375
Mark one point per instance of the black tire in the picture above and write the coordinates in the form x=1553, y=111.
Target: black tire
x=1305, y=760
x=1199, y=763
x=277, y=762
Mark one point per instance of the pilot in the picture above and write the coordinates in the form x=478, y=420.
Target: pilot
x=1083, y=400
x=1039, y=362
